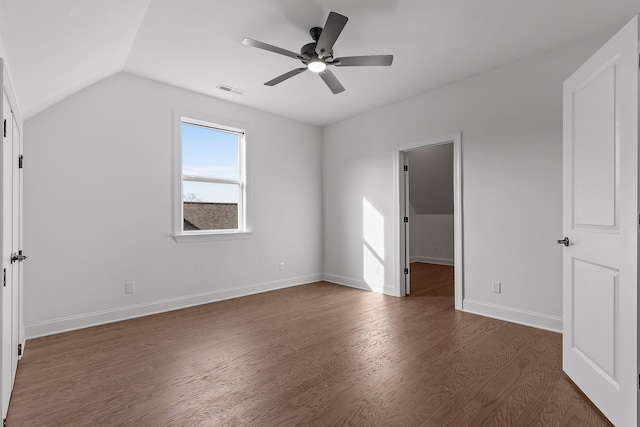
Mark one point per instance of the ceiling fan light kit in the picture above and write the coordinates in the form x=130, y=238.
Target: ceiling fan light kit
x=317, y=56
x=316, y=66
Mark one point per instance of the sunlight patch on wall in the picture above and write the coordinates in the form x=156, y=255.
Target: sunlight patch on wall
x=373, y=228
x=372, y=270
x=372, y=247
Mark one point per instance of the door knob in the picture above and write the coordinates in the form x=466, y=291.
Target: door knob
x=564, y=241
x=17, y=257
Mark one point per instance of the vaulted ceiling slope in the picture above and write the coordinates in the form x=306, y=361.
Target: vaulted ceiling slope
x=56, y=48
x=431, y=179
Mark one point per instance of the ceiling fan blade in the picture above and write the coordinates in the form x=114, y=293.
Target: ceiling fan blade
x=285, y=76
x=332, y=29
x=357, y=61
x=332, y=81
x=271, y=48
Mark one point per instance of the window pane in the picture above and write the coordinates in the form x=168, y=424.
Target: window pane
x=210, y=206
x=210, y=192
x=210, y=152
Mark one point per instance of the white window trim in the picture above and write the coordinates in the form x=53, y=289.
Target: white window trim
x=179, y=235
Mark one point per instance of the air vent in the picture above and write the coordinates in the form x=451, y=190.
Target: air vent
x=230, y=89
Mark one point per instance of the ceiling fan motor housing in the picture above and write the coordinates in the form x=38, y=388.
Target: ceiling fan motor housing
x=315, y=33
x=309, y=51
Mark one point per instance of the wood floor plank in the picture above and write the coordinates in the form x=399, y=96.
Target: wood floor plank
x=316, y=355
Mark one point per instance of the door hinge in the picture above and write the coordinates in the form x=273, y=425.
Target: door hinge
x=5, y=128
x=406, y=219
x=406, y=168
x=406, y=271
x=20, y=161
x=19, y=349
x=4, y=277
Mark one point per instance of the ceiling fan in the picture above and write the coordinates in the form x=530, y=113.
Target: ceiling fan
x=317, y=56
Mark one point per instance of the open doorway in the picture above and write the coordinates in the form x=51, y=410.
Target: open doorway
x=430, y=227
x=430, y=213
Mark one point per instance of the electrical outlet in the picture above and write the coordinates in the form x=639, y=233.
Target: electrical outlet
x=282, y=266
x=436, y=250
x=129, y=287
x=496, y=287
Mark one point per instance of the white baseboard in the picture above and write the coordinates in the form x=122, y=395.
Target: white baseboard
x=70, y=323
x=522, y=317
x=429, y=260
x=346, y=281
x=64, y=324
x=356, y=283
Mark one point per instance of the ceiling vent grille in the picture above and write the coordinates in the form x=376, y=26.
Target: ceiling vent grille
x=230, y=89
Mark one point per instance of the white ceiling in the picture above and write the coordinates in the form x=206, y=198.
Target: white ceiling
x=57, y=47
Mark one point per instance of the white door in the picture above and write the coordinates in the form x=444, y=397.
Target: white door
x=600, y=223
x=6, y=238
x=16, y=274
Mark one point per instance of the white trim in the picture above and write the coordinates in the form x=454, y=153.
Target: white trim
x=70, y=323
x=456, y=139
x=522, y=317
x=195, y=178
x=346, y=281
x=7, y=85
x=189, y=237
x=6, y=81
x=429, y=260
x=355, y=283
x=222, y=124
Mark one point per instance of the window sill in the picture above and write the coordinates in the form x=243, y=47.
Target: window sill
x=211, y=237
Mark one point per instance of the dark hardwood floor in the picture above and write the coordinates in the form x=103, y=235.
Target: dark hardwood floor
x=318, y=354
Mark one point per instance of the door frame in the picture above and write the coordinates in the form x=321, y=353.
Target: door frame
x=7, y=86
x=400, y=243
x=16, y=331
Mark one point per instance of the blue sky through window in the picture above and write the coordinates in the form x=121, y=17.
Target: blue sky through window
x=210, y=153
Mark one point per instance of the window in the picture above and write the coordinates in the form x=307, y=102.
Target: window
x=211, y=192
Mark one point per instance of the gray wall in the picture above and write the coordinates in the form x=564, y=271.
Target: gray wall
x=431, y=179
x=431, y=200
x=98, y=197
x=98, y=208
x=511, y=123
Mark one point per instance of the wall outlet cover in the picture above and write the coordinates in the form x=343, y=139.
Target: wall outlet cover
x=129, y=287
x=496, y=287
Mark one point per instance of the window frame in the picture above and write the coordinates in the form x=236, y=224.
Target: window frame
x=243, y=231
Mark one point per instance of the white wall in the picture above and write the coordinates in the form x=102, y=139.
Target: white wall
x=7, y=63
x=413, y=239
x=431, y=238
x=3, y=50
x=14, y=96
x=511, y=119
x=98, y=208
